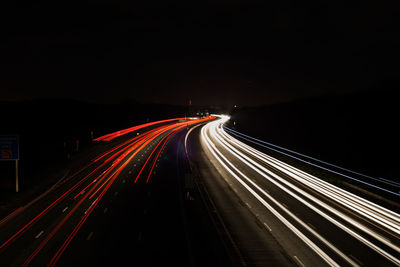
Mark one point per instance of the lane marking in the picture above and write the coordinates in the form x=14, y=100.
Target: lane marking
x=298, y=261
x=91, y=205
x=266, y=225
x=123, y=181
x=65, y=209
x=116, y=193
x=105, y=210
x=39, y=234
x=89, y=236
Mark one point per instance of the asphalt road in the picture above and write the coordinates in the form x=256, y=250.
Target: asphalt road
x=279, y=215
x=192, y=195
x=126, y=206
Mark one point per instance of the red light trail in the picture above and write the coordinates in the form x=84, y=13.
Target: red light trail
x=100, y=177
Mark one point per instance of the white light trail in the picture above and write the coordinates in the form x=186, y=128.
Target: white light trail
x=296, y=231
x=280, y=149
x=385, y=218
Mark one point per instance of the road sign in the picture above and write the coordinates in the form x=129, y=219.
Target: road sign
x=9, y=147
x=9, y=150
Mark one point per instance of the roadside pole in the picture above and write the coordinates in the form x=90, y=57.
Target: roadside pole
x=16, y=176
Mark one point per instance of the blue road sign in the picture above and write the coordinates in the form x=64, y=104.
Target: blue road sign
x=9, y=147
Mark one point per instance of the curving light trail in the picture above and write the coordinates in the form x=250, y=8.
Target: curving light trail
x=368, y=223
x=291, y=153
x=83, y=190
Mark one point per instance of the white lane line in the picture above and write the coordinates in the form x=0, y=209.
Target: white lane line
x=39, y=234
x=269, y=228
x=64, y=209
x=89, y=236
x=91, y=205
x=298, y=261
x=105, y=210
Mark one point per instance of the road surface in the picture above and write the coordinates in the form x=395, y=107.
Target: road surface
x=121, y=207
x=187, y=193
x=309, y=221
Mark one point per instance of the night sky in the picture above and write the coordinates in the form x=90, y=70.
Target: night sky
x=216, y=53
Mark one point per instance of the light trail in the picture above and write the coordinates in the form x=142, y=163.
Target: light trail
x=102, y=172
x=287, y=153
x=159, y=152
x=221, y=159
x=148, y=158
x=90, y=194
x=372, y=213
x=9, y=215
x=111, y=136
x=346, y=229
x=387, y=218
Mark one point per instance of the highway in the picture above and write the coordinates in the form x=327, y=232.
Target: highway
x=108, y=211
x=290, y=212
x=185, y=192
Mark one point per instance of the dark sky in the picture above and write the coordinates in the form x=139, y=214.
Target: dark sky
x=216, y=53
